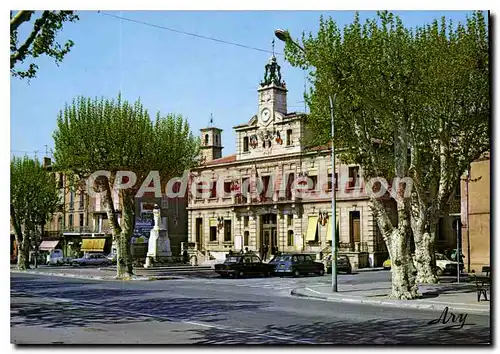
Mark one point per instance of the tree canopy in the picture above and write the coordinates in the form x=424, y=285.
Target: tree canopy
x=115, y=135
x=40, y=39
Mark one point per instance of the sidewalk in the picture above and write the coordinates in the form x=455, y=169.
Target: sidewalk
x=90, y=274
x=459, y=297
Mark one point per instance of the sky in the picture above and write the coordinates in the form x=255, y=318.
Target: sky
x=170, y=72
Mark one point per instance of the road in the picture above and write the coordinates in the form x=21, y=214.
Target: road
x=50, y=310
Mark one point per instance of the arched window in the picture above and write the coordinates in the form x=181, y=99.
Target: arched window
x=245, y=144
x=206, y=139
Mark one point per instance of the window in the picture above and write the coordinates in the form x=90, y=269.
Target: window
x=60, y=221
x=213, y=191
x=314, y=180
x=289, y=221
x=227, y=187
x=227, y=230
x=82, y=200
x=289, y=137
x=290, y=238
x=265, y=185
x=71, y=200
x=213, y=233
x=291, y=178
x=245, y=221
x=70, y=220
x=246, y=237
x=216, y=139
x=81, y=219
x=245, y=144
x=61, y=180
x=355, y=226
x=206, y=139
x=329, y=187
x=440, y=230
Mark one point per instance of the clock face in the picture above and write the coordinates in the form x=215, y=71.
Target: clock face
x=265, y=114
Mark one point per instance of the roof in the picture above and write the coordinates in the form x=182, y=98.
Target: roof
x=226, y=159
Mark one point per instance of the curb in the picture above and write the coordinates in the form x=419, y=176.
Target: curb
x=389, y=303
x=93, y=277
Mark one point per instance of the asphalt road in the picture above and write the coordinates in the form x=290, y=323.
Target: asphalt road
x=50, y=310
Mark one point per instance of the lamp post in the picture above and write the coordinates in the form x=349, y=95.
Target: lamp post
x=284, y=36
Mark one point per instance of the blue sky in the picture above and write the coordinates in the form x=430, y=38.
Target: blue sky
x=170, y=72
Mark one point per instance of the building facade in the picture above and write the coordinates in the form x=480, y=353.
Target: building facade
x=276, y=191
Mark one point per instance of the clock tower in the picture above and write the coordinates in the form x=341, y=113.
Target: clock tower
x=272, y=93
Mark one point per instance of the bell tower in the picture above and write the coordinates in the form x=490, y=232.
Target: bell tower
x=211, y=142
x=272, y=92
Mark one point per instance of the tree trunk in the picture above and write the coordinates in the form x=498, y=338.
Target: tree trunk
x=398, y=244
x=124, y=267
x=423, y=229
x=22, y=253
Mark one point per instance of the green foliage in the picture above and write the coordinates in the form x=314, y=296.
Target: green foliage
x=33, y=194
x=406, y=89
x=40, y=40
x=116, y=135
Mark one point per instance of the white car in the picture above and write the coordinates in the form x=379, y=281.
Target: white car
x=55, y=257
x=445, y=265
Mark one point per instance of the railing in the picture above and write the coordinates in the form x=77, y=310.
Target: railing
x=87, y=229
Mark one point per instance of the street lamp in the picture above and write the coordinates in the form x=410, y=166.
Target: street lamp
x=284, y=36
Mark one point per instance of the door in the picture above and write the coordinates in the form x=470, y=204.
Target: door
x=199, y=230
x=267, y=239
x=274, y=238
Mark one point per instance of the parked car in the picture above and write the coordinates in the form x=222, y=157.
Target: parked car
x=112, y=258
x=243, y=265
x=55, y=257
x=443, y=265
x=91, y=259
x=343, y=264
x=296, y=264
x=446, y=266
x=387, y=264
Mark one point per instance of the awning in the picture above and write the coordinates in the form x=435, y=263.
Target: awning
x=329, y=229
x=312, y=226
x=213, y=222
x=93, y=244
x=48, y=245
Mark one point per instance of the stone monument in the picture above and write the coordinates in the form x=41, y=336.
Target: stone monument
x=159, y=242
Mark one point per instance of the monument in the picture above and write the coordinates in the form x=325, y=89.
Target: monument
x=159, y=242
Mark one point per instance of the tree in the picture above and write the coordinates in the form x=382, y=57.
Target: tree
x=33, y=200
x=424, y=94
x=99, y=134
x=364, y=67
x=41, y=40
x=453, y=126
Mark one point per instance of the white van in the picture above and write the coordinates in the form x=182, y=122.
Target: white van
x=55, y=257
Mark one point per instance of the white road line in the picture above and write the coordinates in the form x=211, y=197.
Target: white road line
x=314, y=291
x=201, y=324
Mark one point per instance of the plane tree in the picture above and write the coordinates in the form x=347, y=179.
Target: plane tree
x=114, y=135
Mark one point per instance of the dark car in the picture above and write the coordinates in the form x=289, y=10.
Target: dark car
x=243, y=265
x=343, y=264
x=296, y=264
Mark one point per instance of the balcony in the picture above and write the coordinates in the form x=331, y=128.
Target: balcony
x=353, y=247
x=86, y=230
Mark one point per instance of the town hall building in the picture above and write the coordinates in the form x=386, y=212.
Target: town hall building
x=267, y=193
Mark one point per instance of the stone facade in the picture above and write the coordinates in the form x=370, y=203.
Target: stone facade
x=260, y=194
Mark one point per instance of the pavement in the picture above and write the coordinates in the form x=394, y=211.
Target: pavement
x=56, y=310
x=438, y=297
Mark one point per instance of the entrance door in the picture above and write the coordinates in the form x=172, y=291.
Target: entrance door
x=199, y=230
x=274, y=238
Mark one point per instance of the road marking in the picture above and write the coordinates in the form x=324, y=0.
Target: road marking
x=314, y=291
x=83, y=303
